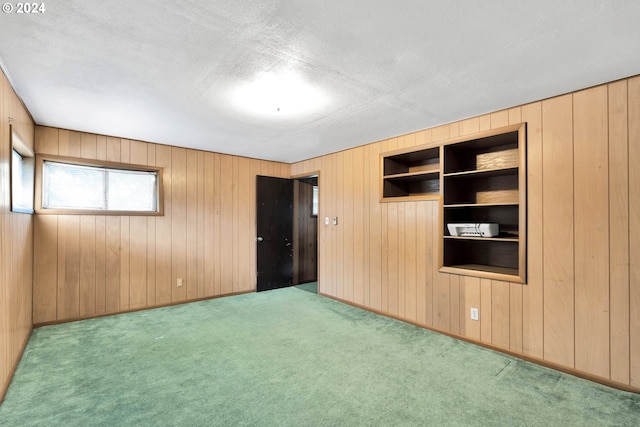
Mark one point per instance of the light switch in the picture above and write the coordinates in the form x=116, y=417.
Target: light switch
x=326, y=220
x=335, y=220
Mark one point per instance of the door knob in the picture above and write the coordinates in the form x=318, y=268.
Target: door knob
x=259, y=239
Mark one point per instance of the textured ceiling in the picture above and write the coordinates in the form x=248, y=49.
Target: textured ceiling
x=171, y=71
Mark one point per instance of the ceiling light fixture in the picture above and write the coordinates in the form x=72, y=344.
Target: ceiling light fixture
x=280, y=95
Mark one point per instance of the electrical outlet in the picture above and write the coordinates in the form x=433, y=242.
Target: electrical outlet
x=474, y=314
x=179, y=282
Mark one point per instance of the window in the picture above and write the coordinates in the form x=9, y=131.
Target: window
x=21, y=176
x=314, y=206
x=79, y=187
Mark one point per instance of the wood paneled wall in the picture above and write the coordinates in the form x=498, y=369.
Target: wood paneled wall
x=92, y=265
x=580, y=308
x=16, y=243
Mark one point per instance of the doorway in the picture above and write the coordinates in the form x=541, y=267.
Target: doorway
x=305, y=230
x=287, y=231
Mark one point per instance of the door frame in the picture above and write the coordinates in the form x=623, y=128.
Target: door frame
x=310, y=174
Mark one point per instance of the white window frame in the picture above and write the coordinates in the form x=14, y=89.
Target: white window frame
x=40, y=209
x=22, y=188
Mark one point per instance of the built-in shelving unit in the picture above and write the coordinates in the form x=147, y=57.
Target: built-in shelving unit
x=484, y=181
x=479, y=179
x=410, y=174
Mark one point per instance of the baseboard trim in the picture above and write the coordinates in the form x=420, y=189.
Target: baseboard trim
x=581, y=374
x=5, y=387
x=133, y=310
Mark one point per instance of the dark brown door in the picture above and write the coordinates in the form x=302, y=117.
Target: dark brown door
x=274, y=202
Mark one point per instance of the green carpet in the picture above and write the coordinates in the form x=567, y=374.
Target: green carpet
x=309, y=287
x=287, y=358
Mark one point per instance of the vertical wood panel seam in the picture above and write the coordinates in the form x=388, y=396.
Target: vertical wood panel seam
x=57, y=267
x=170, y=258
x=628, y=230
x=509, y=315
x=609, y=218
x=95, y=269
x=573, y=225
x=541, y=200
x=521, y=304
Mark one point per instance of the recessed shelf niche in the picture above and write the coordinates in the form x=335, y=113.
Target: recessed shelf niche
x=410, y=174
x=484, y=180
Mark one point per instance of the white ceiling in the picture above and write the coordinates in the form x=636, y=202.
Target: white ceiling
x=169, y=71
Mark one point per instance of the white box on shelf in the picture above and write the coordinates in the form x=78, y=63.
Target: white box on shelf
x=482, y=229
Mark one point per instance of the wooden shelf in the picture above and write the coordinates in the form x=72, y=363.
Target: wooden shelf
x=480, y=205
x=410, y=174
x=485, y=271
x=495, y=187
x=492, y=239
x=492, y=150
x=478, y=173
x=413, y=176
x=484, y=181
x=506, y=215
x=412, y=198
